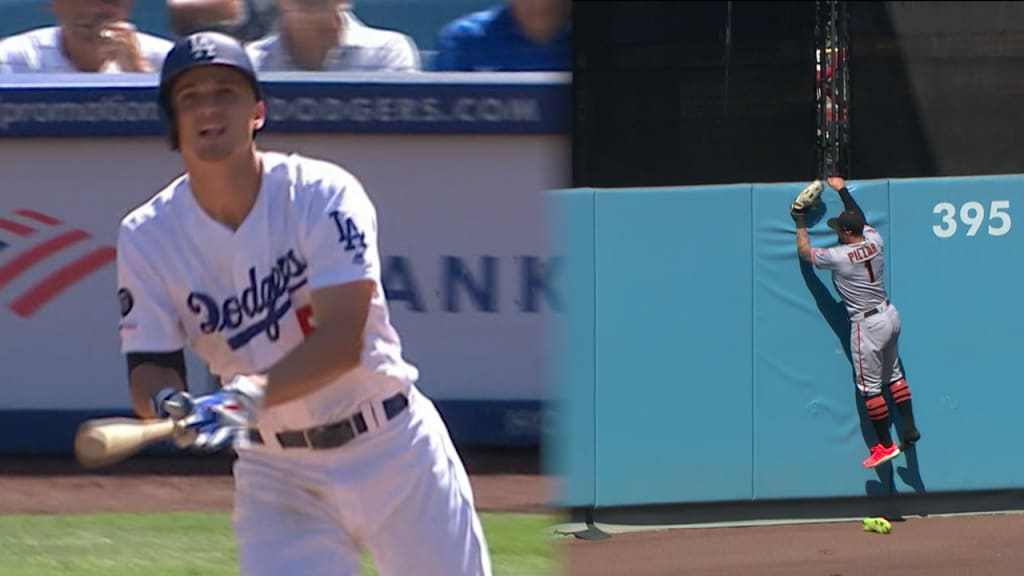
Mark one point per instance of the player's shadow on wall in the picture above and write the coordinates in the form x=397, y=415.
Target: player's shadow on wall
x=910, y=473
x=834, y=313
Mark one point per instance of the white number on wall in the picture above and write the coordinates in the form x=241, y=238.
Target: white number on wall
x=972, y=215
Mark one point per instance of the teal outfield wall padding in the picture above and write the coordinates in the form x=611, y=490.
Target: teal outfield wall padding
x=673, y=344
x=570, y=449
x=963, y=321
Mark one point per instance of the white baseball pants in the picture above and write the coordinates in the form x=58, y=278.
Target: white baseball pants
x=400, y=491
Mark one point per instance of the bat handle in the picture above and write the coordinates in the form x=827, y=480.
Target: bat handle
x=159, y=430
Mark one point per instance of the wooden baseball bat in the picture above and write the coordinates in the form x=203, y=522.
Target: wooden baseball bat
x=104, y=441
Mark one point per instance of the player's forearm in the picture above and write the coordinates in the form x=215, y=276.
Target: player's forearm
x=321, y=358
x=803, y=243
x=849, y=204
x=145, y=381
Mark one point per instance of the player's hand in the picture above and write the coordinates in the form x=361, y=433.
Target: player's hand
x=247, y=391
x=202, y=425
x=171, y=403
x=797, y=213
x=211, y=425
x=836, y=183
x=216, y=421
x=213, y=421
x=219, y=418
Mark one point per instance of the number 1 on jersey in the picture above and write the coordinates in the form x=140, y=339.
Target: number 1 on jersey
x=871, y=271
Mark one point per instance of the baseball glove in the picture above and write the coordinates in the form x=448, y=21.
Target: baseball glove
x=807, y=197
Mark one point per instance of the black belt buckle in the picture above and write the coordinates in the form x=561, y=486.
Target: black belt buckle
x=875, y=310
x=331, y=436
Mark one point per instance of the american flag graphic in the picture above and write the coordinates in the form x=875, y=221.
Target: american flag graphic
x=30, y=242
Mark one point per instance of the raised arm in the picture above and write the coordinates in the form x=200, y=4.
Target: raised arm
x=849, y=204
x=803, y=243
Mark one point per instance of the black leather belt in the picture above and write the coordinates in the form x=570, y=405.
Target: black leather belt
x=873, y=311
x=335, y=434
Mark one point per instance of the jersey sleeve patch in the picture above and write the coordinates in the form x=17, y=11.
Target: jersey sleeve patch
x=149, y=321
x=340, y=232
x=124, y=296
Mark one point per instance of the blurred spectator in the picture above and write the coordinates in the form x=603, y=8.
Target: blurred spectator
x=326, y=35
x=519, y=35
x=90, y=36
x=246, y=20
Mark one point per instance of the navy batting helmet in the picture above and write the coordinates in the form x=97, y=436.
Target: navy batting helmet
x=201, y=49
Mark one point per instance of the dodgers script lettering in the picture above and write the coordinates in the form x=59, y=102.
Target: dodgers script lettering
x=260, y=299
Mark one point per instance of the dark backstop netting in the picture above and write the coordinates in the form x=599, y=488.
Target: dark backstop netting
x=936, y=88
x=680, y=93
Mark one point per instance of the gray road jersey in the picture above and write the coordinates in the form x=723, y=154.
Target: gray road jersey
x=857, y=271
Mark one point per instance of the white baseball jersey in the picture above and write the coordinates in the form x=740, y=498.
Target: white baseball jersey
x=361, y=49
x=857, y=271
x=241, y=299
x=39, y=51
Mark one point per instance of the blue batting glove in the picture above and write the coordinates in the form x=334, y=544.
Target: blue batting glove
x=217, y=419
x=200, y=425
x=206, y=427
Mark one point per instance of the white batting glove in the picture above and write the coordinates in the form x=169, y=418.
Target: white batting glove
x=248, y=392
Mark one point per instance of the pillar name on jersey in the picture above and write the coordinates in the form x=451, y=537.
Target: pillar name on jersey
x=863, y=253
x=259, y=299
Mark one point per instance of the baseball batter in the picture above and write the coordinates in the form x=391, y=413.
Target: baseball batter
x=858, y=271
x=267, y=266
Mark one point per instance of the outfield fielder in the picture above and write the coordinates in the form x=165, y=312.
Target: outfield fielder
x=267, y=266
x=857, y=266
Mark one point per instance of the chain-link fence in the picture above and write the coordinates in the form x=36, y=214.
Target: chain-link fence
x=832, y=92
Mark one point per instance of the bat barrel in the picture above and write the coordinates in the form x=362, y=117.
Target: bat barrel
x=108, y=440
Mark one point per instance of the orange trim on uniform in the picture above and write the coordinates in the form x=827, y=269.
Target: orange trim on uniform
x=860, y=361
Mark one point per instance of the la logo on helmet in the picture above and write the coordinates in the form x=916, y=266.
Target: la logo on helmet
x=202, y=47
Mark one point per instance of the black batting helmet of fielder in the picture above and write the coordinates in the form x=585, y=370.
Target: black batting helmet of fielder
x=201, y=49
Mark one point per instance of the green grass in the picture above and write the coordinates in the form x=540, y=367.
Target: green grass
x=190, y=544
